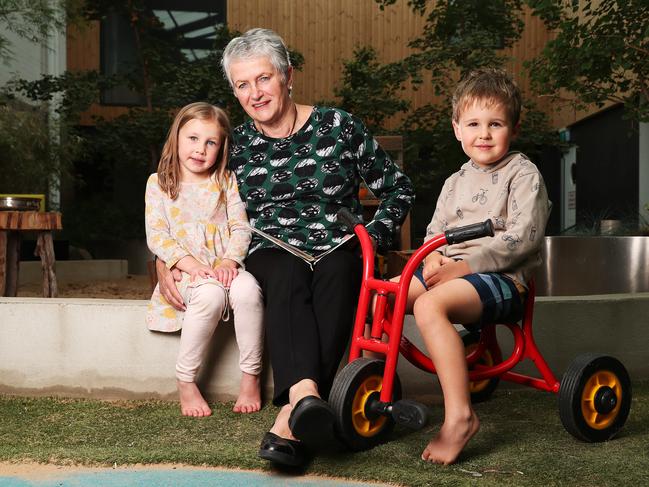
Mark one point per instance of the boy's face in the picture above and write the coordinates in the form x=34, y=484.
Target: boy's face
x=485, y=131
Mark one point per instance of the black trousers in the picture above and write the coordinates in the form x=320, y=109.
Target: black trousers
x=309, y=314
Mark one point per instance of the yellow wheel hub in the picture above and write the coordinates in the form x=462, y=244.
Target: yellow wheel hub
x=486, y=359
x=362, y=424
x=593, y=418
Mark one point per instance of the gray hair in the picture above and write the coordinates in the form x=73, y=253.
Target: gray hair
x=257, y=43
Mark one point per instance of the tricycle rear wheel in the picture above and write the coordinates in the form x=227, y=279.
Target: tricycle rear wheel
x=594, y=397
x=355, y=389
x=483, y=389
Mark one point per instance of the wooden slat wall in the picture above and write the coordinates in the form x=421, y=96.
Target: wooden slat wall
x=326, y=33
x=83, y=54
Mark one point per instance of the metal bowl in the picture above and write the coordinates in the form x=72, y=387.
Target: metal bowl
x=18, y=203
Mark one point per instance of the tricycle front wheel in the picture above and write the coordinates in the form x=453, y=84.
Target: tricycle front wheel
x=355, y=391
x=594, y=397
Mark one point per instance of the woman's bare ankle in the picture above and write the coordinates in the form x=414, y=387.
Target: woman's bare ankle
x=301, y=389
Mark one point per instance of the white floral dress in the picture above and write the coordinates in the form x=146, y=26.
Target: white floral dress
x=192, y=224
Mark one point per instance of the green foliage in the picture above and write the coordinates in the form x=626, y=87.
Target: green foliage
x=33, y=20
x=105, y=198
x=31, y=160
x=458, y=36
x=600, y=53
x=365, y=81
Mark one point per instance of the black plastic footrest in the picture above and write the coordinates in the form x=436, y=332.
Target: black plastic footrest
x=410, y=413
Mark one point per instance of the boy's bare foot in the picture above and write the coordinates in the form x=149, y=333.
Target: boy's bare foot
x=451, y=440
x=249, y=400
x=192, y=402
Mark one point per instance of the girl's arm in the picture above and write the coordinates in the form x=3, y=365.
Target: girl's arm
x=158, y=230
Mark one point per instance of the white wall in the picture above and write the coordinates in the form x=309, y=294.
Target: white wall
x=101, y=348
x=26, y=62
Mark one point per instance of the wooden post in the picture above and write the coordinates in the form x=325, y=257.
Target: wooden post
x=3, y=260
x=13, y=264
x=45, y=250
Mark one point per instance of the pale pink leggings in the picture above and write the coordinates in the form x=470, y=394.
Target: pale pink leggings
x=206, y=305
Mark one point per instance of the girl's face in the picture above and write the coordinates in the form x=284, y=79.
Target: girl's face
x=485, y=131
x=260, y=89
x=199, y=142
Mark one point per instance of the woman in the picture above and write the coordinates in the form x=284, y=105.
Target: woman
x=296, y=166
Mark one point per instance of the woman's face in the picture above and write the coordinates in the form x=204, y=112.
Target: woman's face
x=260, y=89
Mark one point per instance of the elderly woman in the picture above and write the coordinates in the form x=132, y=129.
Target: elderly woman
x=296, y=166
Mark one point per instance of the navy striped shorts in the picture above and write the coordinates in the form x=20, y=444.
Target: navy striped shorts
x=501, y=300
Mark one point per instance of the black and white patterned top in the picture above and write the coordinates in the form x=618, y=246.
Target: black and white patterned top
x=294, y=186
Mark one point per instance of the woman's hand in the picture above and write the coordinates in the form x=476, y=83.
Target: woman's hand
x=226, y=271
x=167, y=282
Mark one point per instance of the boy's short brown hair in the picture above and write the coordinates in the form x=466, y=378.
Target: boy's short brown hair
x=491, y=85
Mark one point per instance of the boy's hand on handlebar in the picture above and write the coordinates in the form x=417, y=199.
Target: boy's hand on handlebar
x=446, y=272
x=167, y=281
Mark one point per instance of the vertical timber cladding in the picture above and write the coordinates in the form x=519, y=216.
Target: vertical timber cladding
x=327, y=31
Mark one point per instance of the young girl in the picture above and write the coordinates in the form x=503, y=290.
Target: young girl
x=197, y=223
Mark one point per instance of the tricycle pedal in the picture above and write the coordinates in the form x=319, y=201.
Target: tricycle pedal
x=409, y=413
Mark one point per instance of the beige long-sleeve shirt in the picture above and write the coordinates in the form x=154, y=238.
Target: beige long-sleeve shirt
x=513, y=195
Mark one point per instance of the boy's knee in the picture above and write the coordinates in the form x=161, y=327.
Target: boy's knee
x=425, y=309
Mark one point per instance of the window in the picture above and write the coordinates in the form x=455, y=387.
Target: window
x=195, y=22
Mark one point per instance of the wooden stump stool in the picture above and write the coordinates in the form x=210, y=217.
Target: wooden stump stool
x=12, y=225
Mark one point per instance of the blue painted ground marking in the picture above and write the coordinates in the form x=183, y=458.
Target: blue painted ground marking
x=173, y=478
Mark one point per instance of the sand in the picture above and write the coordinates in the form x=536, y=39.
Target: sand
x=130, y=287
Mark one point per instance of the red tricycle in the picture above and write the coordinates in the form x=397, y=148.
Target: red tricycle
x=594, y=394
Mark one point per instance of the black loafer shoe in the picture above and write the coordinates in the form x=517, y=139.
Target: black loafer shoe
x=312, y=421
x=282, y=451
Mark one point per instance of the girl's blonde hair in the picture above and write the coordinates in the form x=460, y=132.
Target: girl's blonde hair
x=169, y=165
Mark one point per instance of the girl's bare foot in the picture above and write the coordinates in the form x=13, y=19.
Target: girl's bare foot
x=191, y=400
x=249, y=400
x=451, y=440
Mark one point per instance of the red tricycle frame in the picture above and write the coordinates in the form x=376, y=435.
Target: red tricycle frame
x=594, y=393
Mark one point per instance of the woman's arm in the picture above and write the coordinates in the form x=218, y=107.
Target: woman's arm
x=240, y=234
x=388, y=183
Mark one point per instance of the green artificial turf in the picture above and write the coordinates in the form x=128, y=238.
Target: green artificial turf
x=521, y=442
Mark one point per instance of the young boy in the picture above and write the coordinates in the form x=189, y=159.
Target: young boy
x=483, y=280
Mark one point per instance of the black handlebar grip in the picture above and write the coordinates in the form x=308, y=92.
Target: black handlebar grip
x=348, y=218
x=469, y=232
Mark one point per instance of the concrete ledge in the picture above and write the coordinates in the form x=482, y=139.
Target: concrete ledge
x=101, y=348
x=74, y=270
